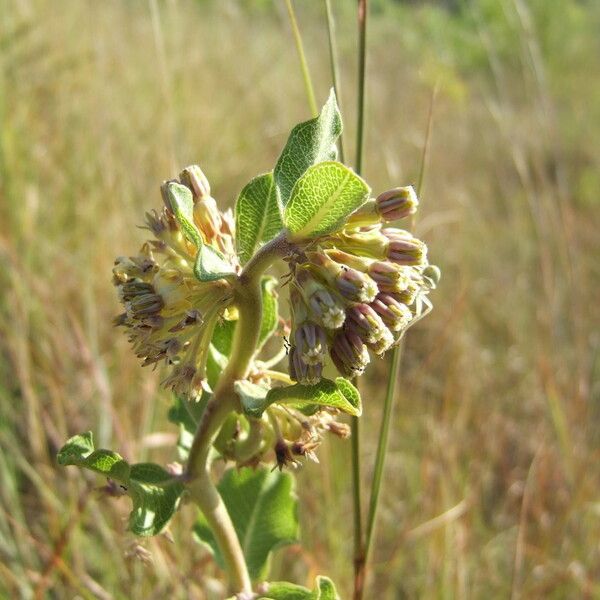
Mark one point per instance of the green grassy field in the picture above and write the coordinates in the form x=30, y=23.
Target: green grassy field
x=492, y=487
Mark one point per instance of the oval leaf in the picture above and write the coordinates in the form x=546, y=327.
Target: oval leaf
x=257, y=215
x=211, y=265
x=263, y=508
x=154, y=492
x=322, y=199
x=310, y=142
x=181, y=202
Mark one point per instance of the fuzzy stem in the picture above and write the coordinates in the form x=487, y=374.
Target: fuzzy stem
x=248, y=299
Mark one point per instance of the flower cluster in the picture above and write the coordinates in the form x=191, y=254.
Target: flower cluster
x=169, y=314
x=358, y=290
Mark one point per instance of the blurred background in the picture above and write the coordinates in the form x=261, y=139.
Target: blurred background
x=492, y=486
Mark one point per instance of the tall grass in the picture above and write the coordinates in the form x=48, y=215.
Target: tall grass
x=491, y=485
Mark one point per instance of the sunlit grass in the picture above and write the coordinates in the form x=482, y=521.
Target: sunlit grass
x=491, y=486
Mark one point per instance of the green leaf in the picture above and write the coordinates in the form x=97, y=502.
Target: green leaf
x=252, y=397
x=257, y=215
x=282, y=590
x=154, y=492
x=340, y=394
x=181, y=202
x=211, y=265
x=263, y=508
x=309, y=143
x=322, y=199
x=223, y=336
x=187, y=414
x=270, y=310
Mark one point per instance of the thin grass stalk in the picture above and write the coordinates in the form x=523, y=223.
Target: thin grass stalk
x=390, y=394
x=310, y=92
x=334, y=65
x=359, y=548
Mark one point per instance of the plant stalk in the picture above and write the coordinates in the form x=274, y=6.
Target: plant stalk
x=359, y=549
x=310, y=92
x=203, y=491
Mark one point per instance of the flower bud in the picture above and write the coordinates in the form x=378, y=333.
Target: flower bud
x=208, y=218
x=365, y=322
x=394, y=314
x=311, y=343
x=193, y=178
x=403, y=248
x=366, y=241
x=144, y=305
x=431, y=276
x=302, y=372
x=323, y=305
x=353, y=285
x=384, y=343
x=397, y=203
x=409, y=295
x=349, y=354
x=388, y=276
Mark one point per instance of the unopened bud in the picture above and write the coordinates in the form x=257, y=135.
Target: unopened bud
x=403, y=248
x=394, y=314
x=367, y=214
x=397, y=203
x=311, y=343
x=323, y=305
x=193, y=178
x=353, y=285
x=431, y=276
x=388, y=276
x=366, y=323
x=349, y=354
x=208, y=218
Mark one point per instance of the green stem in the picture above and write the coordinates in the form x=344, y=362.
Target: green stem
x=203, y=491
x=384, y=431
x=359, y=551
x=302, y=56
x=333, y=61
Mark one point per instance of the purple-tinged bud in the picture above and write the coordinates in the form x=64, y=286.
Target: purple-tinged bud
x=384, y=343
x=388, y=276
x=133, y=288
x=144, y=305
x=394, y=314
x=300, y=371
x=403, y=248
x=365, y=322
x=352, y=284
x=409, y=295
x=323, y=305
x=311, y=343
x=193, y=178
x=397, y=203
x=349, y=354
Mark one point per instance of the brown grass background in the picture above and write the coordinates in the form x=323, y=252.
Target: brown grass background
x=492, y=486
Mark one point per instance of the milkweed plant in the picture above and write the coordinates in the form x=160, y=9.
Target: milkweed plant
x=198, y=299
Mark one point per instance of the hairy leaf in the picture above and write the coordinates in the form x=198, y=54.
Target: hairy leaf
x=322, y=199
x=187, y=414
x=309, y=143
x=340, y=394
x=252, y=397
x=263, y=508
x=257, y=215
x=270, y=310
x=154, y=492
x=181, y=202
x=211, y=265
